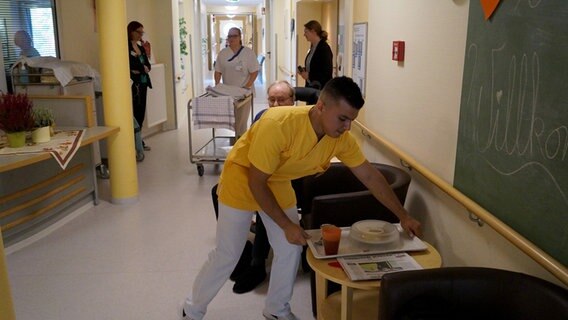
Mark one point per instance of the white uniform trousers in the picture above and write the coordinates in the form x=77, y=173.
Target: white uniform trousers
x=232, y=231
x=241, y=118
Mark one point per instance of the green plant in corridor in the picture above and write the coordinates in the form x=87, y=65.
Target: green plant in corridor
x=43, y=117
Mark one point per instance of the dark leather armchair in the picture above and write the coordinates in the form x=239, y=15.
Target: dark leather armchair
x=308, y=95
x=337, y=197
x=470, y=293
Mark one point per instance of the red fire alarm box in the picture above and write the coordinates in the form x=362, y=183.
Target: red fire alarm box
x=398, y=50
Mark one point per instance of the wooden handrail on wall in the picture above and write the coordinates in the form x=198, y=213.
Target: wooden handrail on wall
x=541, y=257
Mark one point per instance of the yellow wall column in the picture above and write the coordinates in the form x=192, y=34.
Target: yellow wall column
x=117, y=101
x=6, y=305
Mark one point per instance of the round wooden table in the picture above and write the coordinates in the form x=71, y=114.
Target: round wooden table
x=363, y=294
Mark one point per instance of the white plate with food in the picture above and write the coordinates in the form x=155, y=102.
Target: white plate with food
x=374, y=232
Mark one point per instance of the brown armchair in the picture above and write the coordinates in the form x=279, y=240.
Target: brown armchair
x=337, y=197
x=470, y=293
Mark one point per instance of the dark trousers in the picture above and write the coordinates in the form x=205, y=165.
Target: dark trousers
x=307, y=94
x=139, y=94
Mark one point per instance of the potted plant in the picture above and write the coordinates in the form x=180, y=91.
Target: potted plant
x=44, y=120
x=16, y=118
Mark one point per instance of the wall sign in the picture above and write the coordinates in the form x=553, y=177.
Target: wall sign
x=359, y=61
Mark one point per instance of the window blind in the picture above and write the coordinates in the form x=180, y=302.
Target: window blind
x=27, y=19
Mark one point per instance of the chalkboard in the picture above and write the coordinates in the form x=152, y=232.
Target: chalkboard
x=512, y=153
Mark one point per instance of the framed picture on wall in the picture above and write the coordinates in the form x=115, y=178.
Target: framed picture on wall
x=359, y=61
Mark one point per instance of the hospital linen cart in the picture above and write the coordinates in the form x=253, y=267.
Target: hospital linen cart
x=217, y=147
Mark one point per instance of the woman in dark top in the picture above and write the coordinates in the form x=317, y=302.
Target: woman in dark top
x=139, y=69
x=319, y=61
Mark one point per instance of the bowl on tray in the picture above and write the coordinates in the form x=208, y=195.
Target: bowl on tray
x=374, y=232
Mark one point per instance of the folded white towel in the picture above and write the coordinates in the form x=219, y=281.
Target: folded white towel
x=64, y=71
x=213, y=112
x=221, y=89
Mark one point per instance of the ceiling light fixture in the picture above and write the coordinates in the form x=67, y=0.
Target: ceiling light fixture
x=232, y=1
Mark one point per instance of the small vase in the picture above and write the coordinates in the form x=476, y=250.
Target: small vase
x=41, y=135
x=16, y=139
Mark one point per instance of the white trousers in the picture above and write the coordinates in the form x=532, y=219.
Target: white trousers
x=232, y=231
x=241, y=119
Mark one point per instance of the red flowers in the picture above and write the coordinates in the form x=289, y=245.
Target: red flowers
x=15, y=113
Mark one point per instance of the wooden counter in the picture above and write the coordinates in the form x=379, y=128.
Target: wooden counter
x=35, y=192
x=10, y=162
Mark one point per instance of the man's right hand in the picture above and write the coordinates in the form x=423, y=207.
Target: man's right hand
x=296, y=235
x=258, y=184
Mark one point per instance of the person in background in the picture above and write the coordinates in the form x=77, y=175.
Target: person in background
x=250, y=270
x=237, y=66
x=286, y=143
x=280, y=93
x=24, y=41
x=139, y=68
x=319, y=60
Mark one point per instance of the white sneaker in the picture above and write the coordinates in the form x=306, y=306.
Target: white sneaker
x=289, y=316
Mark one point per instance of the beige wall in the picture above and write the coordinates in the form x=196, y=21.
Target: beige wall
x=238, y=10
x=416, y=105
x=79, y=37
x=360, y=11
x=281, y=13
x=329, y=24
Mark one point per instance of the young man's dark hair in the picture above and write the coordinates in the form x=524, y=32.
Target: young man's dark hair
x=343, y=88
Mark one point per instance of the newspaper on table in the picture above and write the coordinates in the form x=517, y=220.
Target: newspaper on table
x=373, y=267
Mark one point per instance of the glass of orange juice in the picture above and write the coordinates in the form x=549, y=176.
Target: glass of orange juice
x=330, y=235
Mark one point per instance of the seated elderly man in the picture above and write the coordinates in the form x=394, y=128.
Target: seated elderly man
x=280, y=93
x=251, y=268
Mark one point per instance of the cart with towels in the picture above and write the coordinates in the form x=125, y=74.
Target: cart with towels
x=214, y=111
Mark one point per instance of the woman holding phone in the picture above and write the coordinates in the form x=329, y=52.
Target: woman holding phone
x=319, y=60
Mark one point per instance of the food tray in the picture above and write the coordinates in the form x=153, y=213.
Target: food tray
x=351, y=247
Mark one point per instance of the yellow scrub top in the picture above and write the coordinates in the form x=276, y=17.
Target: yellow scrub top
x=283, y=144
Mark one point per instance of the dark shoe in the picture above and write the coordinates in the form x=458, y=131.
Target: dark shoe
x=184, y=316
x=289, y=316
x=250, y=279
x=147, y=148
x=244, y=262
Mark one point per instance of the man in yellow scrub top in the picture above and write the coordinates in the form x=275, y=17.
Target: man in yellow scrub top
x=285, y=144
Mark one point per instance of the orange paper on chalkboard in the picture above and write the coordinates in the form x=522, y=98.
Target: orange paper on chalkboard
x=489, y=7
